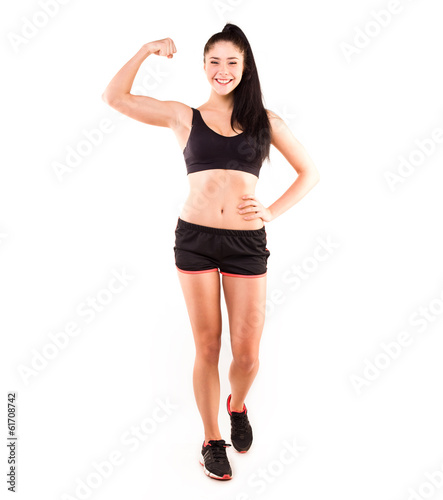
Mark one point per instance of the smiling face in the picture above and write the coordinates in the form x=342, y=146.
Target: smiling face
x=224, y=67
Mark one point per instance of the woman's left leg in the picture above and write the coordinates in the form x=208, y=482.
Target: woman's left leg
x=245, y=302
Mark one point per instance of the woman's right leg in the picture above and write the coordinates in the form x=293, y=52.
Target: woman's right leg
x=202, y=296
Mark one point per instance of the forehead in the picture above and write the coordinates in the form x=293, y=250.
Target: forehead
x=225, y=50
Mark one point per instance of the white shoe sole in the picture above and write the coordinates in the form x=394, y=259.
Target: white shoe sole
x=210, y=474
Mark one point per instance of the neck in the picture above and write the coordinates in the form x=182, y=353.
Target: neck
x=221, y=102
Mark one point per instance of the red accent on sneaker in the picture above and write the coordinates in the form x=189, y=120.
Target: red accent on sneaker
x=229, y=406
x=244, y=409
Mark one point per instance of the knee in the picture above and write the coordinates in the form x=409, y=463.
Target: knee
x=246, y=362
x=209, y=352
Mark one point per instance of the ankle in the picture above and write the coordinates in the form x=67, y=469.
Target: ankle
x=233, y=409
x=238, y=408
x=210, y=437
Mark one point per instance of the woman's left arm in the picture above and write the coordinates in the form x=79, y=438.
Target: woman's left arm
x=308, y=175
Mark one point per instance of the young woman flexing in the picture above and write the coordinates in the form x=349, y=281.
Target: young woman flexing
x=221, y=227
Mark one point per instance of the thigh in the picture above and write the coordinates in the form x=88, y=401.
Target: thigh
x=245, y=302
x=202, y=296
x=245, y=254
x=196, y=249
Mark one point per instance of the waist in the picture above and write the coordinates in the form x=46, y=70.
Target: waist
x=222, y=222
x=205, y=211
x=220, y=230
x=214, y=198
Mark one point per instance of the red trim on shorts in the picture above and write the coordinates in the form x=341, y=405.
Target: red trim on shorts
x=197, y=272
x=244, y=275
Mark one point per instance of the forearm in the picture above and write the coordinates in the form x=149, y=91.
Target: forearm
x=297, y=190
x=122, y=82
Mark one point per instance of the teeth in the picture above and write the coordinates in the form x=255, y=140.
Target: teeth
x=223, y=81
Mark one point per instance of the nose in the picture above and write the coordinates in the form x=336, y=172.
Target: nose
x=223, y=69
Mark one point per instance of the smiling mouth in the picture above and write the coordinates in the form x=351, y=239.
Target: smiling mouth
x=224, y=81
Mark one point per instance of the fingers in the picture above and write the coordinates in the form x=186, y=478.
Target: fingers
x=247, y=210
x=251, y=201
x=250, y=204
x=247, y=197
x=165, y=47
x=255, y=215
x=170, y=48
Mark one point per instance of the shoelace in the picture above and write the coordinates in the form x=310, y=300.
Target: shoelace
x=218, y=449
x=240, y=421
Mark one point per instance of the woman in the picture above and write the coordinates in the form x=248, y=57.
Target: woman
x=221, y=226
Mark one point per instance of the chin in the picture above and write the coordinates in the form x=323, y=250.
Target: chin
x=221, y=90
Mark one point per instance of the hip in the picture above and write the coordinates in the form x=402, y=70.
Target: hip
x=218, y=215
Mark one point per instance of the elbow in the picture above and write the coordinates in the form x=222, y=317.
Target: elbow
x=107, y=98
x=110, y=99
x=315, y=175
x=311, y=177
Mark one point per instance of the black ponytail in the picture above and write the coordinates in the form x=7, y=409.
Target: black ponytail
x=248, y=111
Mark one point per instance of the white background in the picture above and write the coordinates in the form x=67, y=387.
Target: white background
x=116, y=211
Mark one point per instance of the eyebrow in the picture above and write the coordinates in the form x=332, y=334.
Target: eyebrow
x=226, y=58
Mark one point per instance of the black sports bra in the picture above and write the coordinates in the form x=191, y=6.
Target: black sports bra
x=207, y=149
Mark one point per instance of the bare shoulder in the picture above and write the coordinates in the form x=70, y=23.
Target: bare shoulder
x=278, y=126
x=272, y=115
x=290, y=147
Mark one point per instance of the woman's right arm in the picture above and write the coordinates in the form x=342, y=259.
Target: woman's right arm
x=142, y=108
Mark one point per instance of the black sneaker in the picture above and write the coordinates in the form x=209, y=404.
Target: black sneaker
x=214, y=460
x=241, y=430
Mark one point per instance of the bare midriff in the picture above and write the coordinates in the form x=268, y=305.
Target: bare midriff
x=214, y=197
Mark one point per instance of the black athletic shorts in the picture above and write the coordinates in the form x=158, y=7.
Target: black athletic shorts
x=236, y=252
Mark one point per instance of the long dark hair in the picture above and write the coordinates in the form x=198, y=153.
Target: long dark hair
x=248, y=111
